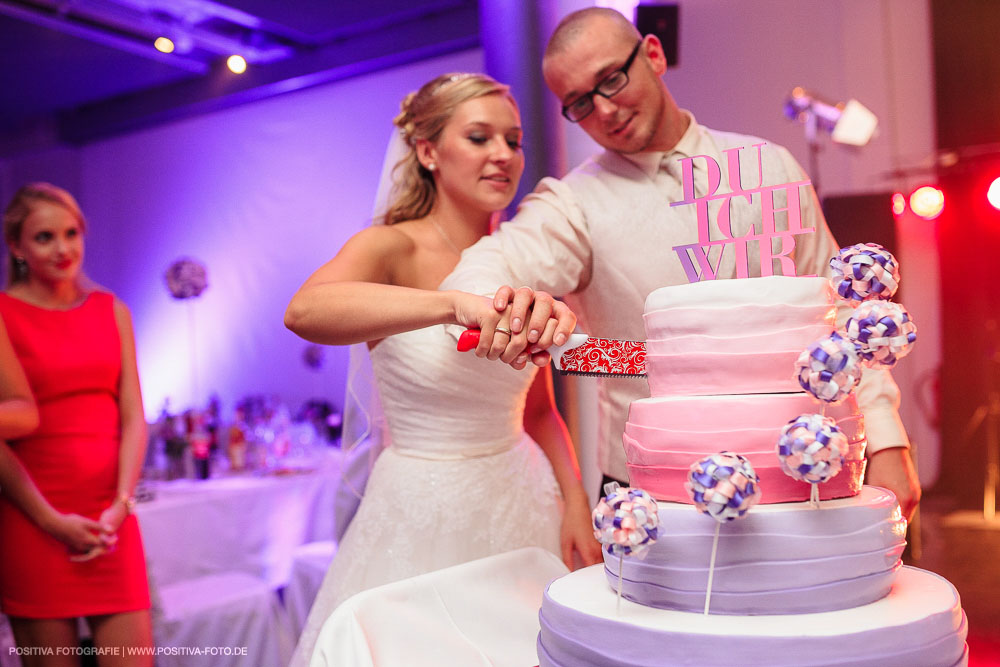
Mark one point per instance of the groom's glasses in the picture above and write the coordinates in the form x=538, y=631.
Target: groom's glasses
x=610, y=85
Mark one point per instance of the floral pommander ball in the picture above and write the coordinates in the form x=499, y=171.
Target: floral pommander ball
x=865, y=271
x=186, y=278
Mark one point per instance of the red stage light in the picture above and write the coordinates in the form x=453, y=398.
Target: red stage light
x=927, y=202
x=898, y=204
x=993, y=194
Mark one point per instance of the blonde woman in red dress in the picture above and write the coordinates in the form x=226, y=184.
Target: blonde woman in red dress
x=75, y=344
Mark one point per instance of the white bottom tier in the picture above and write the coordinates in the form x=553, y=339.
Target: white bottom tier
x=920, y=622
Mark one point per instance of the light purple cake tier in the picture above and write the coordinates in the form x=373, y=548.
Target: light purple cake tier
x=778, y=559
x=733, y=336
x=920, y=622
x=665, y=435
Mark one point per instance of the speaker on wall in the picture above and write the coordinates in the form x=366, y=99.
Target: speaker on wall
x=865, y=218
x=662, y=20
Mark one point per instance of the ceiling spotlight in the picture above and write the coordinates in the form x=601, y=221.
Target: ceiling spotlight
x=927, y=202
x=236, y=64
x=850, y=123
x=164, y=45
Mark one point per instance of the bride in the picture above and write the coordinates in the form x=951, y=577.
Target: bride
x=478, y=460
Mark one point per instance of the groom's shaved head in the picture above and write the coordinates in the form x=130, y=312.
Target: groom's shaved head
x=575, y=24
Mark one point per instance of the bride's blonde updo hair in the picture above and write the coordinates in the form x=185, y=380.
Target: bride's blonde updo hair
x=423, y=115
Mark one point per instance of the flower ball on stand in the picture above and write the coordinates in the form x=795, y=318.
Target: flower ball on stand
x=865, y=271
x=186, y=278
x=724, y=486
x=811, y=449
x=626, y=523
x=830, y=368
x=882, y=331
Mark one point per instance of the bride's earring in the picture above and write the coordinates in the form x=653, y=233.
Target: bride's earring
x=432, y=166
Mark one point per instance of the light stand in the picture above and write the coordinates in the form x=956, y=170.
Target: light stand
x=850, y=124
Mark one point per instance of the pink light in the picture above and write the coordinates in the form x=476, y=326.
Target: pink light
x=993, y=194
x=927, y=202
x=898, y=204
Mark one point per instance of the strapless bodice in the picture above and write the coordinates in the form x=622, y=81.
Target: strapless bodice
x=442, y=403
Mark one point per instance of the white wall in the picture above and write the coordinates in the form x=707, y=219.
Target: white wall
x=739, y=60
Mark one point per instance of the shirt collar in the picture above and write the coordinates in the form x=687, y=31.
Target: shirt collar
x=650, y=161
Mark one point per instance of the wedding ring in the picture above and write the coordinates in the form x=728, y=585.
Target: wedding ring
x=504, y=330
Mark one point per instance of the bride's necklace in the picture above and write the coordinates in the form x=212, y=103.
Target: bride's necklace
x=444, y=235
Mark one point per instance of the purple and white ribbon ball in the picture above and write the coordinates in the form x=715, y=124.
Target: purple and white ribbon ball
x=724, y=486
x=830, y=368
x=882, y=331
x=626, y=521
x=865, y=271
x=811, y=448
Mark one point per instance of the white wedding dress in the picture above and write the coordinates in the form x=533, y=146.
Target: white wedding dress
x=460, y=479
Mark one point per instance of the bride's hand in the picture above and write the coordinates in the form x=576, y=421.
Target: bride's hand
x=496, y=340
x=577, y=533
x=533, y=312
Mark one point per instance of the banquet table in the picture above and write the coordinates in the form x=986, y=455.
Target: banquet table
x=247, y=523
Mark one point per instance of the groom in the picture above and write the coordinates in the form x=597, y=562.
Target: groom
x=606, y=235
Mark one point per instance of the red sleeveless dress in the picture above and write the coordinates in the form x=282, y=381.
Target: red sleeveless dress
x=73, y=362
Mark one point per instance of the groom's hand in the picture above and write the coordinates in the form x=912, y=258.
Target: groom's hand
x=537, y=321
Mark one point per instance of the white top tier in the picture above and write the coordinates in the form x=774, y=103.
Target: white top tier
x=734, y=336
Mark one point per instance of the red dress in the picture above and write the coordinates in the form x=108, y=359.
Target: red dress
x=73, y=362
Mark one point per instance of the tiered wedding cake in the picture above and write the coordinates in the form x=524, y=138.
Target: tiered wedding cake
x=792, y=584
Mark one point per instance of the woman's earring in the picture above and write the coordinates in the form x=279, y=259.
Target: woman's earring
x=432, y=166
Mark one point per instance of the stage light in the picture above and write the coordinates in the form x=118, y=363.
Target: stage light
x=236, y=64
x=850, y=123
x=898, y=204
x=164, y=45
x=993, y=194
x=927, y=202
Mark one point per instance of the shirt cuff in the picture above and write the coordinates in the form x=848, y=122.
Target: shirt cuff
x=884, y=430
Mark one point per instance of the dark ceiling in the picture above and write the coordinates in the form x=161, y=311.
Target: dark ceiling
x=74, y=71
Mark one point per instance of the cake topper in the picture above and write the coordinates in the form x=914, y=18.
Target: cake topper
x=696, y=258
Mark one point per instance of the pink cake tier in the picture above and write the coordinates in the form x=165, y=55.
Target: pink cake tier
x=733, y=336
x=778, y=559
x=664, y=436
x=920, y=622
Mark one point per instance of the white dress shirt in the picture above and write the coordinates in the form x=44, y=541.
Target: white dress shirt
x=604, y=235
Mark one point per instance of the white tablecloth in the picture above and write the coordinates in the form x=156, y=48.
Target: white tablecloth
x=484, y=612
x=235, y=524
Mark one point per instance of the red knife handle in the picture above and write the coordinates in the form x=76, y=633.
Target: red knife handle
x=468, y=340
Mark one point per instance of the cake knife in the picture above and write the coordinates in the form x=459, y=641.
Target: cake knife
x=584, y=355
